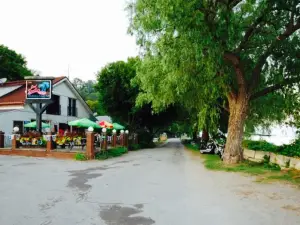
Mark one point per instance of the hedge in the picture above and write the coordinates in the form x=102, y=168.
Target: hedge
x=287, y=150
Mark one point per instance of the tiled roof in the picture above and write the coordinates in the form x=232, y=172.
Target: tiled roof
x=17, y=96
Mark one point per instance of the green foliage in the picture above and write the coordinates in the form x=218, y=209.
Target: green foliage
x=146, y=139
x=95, y=106
x=116, y=93
x=115, y=152
x=260, y=146
x=118, y=97
x=213, y=162
x=198, y=52
x=287, y=150
x=265, y=171
x=194, y=147
x=110, y=153
x=85, y=88
x=80, y=156
x=134, y=147
x=290, y=150
x=87, y=91
x=186, y=141
x=12, y=65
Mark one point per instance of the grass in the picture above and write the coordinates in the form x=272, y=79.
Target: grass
x=264, y=171
x=192, y=147
x=80, y=156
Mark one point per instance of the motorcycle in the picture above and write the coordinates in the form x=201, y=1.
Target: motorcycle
x=215, y=145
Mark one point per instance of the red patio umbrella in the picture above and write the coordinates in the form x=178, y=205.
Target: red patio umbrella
x=105, y=124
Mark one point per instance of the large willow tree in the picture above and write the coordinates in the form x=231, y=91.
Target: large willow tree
x=196, y=52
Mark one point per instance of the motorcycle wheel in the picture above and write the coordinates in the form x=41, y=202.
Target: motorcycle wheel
x=211, y=148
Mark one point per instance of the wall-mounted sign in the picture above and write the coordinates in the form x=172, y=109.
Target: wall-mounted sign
x=38, y=89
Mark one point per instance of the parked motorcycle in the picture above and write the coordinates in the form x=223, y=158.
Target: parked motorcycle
x=215, y=145
x=207, y=147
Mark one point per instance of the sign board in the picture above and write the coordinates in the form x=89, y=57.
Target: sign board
x=38, y=89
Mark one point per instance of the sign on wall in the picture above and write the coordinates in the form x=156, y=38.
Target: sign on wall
x=38, y=89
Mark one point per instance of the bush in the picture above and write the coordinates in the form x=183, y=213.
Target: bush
x=110, y=153
x=80, y=156
x=115, y=152
x=186, y=141
x=287, y=150
x=290, y=150
x=134, y=147
x=145, y=139
x=260, y=146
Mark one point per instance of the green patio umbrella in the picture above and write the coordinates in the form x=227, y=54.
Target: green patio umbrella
x=33, y=125
x=83, y=123
x=118, y=126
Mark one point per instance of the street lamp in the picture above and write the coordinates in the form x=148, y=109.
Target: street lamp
x=16, y=129
x=90, y=129
x=122, y=131
x=114, y=131
x=104, y=130
x=126, y=132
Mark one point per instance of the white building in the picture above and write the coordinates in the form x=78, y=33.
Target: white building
x=68, y=105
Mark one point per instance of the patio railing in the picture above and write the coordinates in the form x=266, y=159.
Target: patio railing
x=50, y=144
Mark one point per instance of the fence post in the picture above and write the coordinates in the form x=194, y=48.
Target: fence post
x=1, y=139
x=125, y=140
x=14, y=142
x=49, y=146
x=114, y=138
x=90, y=153
x=122, y=138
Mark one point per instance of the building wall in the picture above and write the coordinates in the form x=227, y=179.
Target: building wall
x=64, y=91
x=27, y=114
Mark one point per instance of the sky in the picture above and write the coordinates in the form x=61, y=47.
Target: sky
x=54, y=35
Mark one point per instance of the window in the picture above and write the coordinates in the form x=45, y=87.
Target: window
x=54, y=108
x=72, y=110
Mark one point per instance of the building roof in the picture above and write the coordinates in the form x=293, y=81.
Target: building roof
x=6, y=110
x=13, y=93
x=104, y=118
x=8, y=89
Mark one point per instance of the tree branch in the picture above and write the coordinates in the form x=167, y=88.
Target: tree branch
x=249, y=33
x=275, y=87
x=236, y=63
x=234, y=3
x=290, y=29
x=224, y=107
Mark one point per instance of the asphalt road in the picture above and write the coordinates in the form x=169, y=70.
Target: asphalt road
x=163, y=186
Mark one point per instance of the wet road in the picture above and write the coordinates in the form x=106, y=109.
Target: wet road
x=163, y=186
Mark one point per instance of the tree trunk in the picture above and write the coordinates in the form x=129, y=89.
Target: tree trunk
x=195, y=135
x=238, y=111
x=205, y=135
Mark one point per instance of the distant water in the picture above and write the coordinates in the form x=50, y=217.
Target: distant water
x=278, y=135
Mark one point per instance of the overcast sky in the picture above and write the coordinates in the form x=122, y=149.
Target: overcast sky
x=52, y=34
